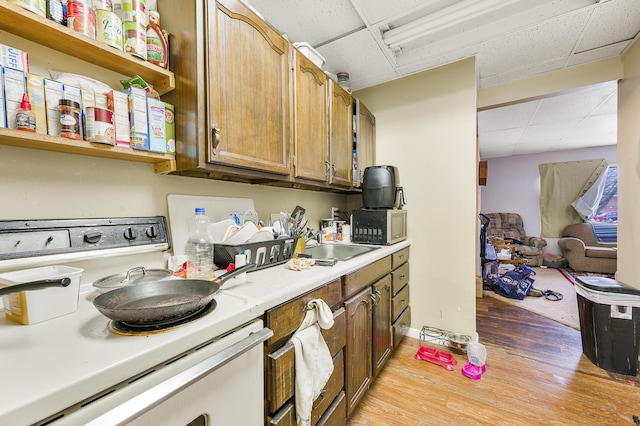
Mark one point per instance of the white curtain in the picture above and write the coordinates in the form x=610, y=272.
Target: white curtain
x=560, y=185
x=587, y=204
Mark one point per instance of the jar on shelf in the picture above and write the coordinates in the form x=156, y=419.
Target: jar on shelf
x=343, y=81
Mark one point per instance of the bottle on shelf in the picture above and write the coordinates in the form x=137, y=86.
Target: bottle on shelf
x=200, y=247
x=157, y=47
x=25, y=117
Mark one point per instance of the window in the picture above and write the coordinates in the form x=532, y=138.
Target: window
x=608, y=207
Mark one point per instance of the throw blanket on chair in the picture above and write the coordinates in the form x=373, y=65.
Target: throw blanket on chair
x=313, y=362
x=605, y=232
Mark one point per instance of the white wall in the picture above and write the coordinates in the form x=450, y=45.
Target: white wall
x=629, y=169
x=513, y=184
x=426, y=125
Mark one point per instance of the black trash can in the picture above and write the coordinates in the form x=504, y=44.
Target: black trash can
x=609, y=323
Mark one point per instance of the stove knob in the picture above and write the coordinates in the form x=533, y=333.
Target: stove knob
x=152, y=232
x=93, y=237
x=130, y=233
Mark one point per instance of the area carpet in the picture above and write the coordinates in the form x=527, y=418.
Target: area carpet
x=564, y=311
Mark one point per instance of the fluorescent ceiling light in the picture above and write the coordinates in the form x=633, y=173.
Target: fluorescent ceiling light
x=466, y=15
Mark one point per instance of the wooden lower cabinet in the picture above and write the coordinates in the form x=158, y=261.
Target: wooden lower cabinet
x=371, y=316
x=358, y=349
x=382, y=315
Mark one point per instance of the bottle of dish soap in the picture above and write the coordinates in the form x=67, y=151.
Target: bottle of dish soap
x=25, y=117
x=200, y=247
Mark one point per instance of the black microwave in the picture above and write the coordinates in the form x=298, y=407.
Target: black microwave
x=379, y=226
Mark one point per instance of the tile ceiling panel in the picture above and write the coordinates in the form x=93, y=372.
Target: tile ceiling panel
x=517, y=115
x=597, y=126
x=576, y=105
x=299, y=20
x=606, y=52
x=380, y=11
x=348, y=53
x=610, y=23
x=542, y=132
x=505, y=137
x=542, y=43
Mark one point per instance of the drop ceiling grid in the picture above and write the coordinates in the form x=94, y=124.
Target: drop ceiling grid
x=299, y=20
x=350, y=53
x=536, y=44
x=611, y=22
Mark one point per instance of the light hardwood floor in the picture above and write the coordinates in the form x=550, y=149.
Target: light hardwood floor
x=536, y=375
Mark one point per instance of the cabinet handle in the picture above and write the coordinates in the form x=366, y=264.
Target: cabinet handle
x=403, y=301
x=319, y=399
x=215, y=137
x=402, y=277
x=373, y=299
x=333, y=170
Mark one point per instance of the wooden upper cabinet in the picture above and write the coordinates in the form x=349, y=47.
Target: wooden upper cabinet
x=341, y=148
x=311, y=123
x=365, y=140
x=248, y=82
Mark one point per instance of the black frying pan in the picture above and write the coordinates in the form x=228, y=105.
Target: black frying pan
x=160, y=301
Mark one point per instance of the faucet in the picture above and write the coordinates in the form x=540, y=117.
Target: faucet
x=311, y=235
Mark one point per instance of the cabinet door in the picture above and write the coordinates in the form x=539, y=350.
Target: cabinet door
x=358, y=349
x=382, y=333
x=248, y=82
x=365, y=139
x=341, y=149
x=311, y=121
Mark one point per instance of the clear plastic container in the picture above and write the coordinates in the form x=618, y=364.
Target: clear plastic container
x=344, y=81
x=200, y=247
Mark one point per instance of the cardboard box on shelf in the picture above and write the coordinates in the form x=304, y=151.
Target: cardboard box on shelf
x=119, y=104
x=35, y=89
x=52, y=95
x=138, y=119
x=10, y=57
x=157, y=126
x=14, y=88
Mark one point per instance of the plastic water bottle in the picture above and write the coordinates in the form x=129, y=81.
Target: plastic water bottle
x=200, y=247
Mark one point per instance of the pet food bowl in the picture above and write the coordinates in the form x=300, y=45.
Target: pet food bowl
x=458, y=341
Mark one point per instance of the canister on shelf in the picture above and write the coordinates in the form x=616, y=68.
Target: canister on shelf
x=36, y=6
x=99, y=122
x=69, y=119
x=109, y=28
x=81, y=18
x=343, y=81
x=135, y=39
x=103, y=5
x=134, y=11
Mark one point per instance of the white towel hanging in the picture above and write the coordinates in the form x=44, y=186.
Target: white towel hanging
x=313, y=362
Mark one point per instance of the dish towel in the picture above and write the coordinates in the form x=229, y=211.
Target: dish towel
x=313, y=362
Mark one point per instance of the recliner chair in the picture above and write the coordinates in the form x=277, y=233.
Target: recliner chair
x=509, y=226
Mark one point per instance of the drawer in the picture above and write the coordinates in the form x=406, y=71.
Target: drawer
x=399, y=257
x=280, y=384
x=400, y=277
x=334, y=386
x=286, y=318
x=336, y=414
x=399, y=302
x=361, y=278
x=401, y=327
x=284, y=417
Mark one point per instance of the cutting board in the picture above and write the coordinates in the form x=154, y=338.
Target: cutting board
x=182, y=209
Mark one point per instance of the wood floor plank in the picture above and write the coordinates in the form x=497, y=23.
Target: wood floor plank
x=536, y=375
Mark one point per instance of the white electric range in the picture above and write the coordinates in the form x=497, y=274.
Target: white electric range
x=74, y=370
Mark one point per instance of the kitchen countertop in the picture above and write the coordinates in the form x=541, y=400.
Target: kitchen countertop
x=276, y=285
x=47, y=367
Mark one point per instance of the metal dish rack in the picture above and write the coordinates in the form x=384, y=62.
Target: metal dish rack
x=264, y=254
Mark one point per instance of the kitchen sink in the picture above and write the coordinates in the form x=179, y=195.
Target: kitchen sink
x=338, y=251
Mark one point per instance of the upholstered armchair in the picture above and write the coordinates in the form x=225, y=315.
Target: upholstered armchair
x=509, y=226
